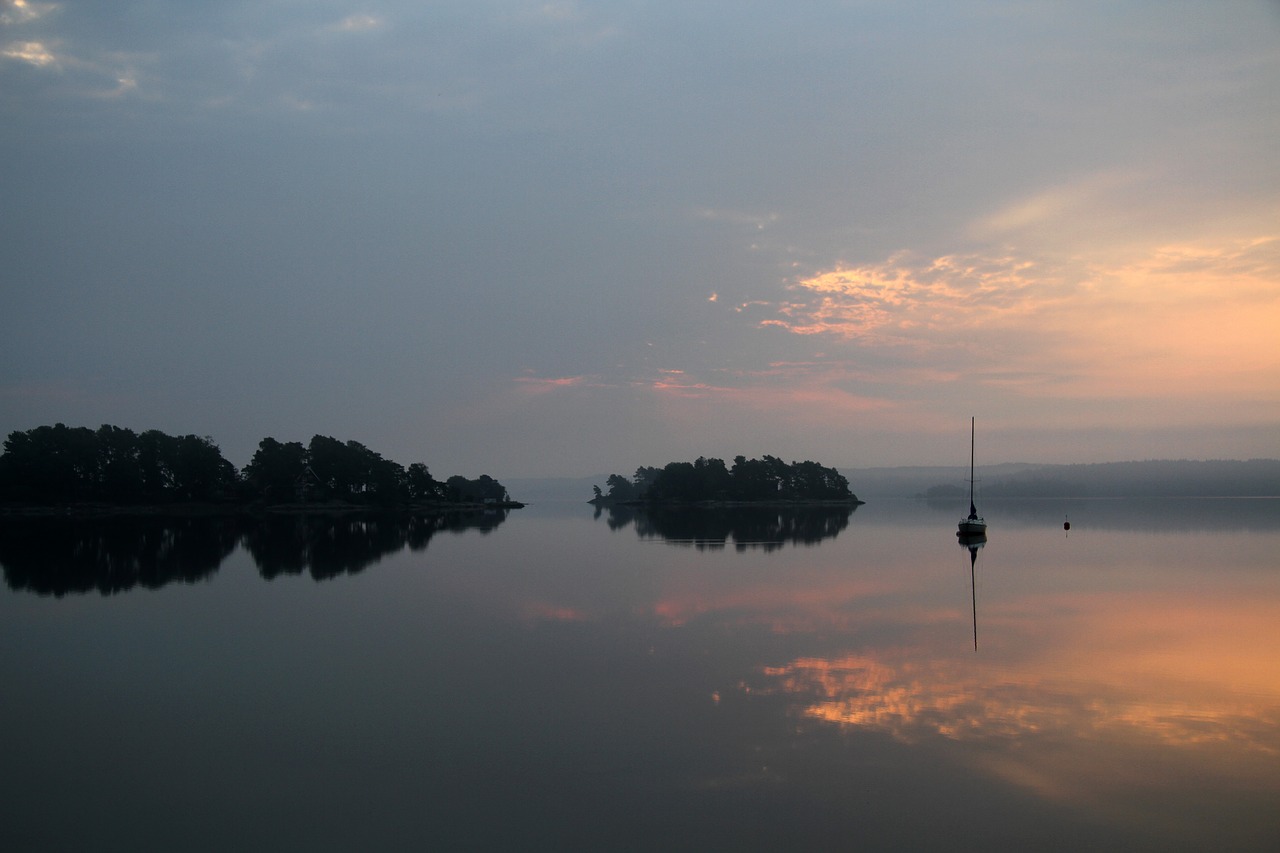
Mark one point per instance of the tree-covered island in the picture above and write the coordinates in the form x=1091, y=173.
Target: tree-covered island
x=61, y=466
x=748, y=481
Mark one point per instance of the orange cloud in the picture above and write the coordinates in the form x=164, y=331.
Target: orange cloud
x=1184, y=330
x=1172, y=320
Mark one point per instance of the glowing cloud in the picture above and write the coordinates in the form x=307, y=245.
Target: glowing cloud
x=31, y=52
x=1150, y=323
x=21, y=12
x=906, y=300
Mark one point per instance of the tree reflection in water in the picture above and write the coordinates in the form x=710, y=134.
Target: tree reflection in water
x=61, y=556
x=748, y=527
x=57, y=556
x=331, y=546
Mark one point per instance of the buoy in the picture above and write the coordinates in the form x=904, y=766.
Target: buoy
x=1066, y=525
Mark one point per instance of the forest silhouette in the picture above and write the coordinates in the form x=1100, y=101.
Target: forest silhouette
x=58, y=465
x=710, y=480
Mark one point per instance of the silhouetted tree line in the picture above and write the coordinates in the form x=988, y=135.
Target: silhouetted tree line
x=61, y=555
x=767, y=479
x=60, y=464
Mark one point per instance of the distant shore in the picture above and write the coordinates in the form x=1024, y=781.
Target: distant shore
x=214, y=509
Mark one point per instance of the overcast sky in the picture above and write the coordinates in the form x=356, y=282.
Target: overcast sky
x=565, y=238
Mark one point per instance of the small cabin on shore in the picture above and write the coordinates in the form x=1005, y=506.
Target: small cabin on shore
x=308, y=486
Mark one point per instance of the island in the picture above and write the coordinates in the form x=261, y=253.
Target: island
x=709, y=482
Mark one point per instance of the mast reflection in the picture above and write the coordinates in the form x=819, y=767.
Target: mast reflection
x=973, y=544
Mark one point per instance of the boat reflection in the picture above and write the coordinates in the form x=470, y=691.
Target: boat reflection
x=973, y=544
x=62, y=556
x=766, y=528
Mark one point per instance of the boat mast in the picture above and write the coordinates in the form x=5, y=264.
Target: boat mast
x=973, y=510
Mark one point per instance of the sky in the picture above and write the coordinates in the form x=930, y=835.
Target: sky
x=537, y=239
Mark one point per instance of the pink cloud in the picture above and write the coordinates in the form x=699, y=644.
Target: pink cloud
x=542, y=385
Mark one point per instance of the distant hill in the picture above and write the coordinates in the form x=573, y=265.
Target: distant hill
x=1150, y=478
x=911, y=481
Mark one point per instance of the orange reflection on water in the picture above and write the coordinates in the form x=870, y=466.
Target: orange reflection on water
x=912, y=701
x=1123, y=706
x=1195, y=649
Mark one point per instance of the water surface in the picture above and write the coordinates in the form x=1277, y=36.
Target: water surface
x=562, y=678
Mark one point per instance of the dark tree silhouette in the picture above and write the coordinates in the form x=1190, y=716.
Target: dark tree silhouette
x=752, y=480
x=54, y=465
x=59, y=464
x=421, y=485
x=483, y=489
x=276, y=470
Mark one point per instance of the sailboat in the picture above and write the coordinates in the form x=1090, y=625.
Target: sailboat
x=972, y=525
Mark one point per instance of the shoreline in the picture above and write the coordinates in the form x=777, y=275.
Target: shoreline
x=214, y=510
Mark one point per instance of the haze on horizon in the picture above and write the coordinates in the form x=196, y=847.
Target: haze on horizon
x=535, y=239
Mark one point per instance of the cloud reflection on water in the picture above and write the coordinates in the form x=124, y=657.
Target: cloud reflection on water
x=915, y=700
x=1080, y=719
x=1126, y=675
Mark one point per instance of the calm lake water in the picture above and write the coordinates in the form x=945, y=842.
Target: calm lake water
x=561, y=679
